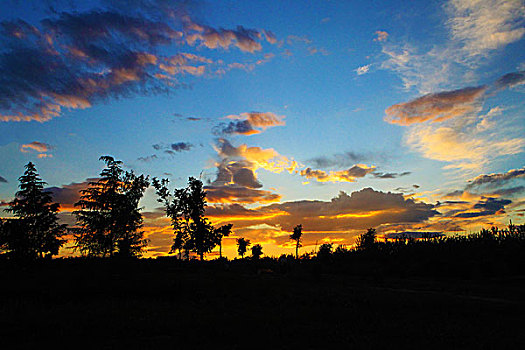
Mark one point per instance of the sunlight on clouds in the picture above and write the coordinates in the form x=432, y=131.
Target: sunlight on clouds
x=482, y=26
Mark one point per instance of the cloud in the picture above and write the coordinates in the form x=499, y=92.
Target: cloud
x=344, y=213
x=510, y=80
x=483, y=26
x=181, y=146
x=349, y=175
x=236, y=177
x=249, y=123
x=239, y=194
x=73, y=60
x=40, y=147
x=380, y=175
x=466, y=150
x=243, y=38
x=346, y=159
x=363, y=70
x=381, y=35
x=496, y=179
x=487, y=207
x=459, y=134
x=2, y=179
x=436, y=107
x=68, y=195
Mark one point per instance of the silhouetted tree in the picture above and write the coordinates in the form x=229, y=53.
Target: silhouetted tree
x=185, y=207
x=367, y=241
x=223, y=231
x=257, y=251
x=35, y=231
x=325, y=251
x=109, y=219
x=242, y=246
x=296, y=236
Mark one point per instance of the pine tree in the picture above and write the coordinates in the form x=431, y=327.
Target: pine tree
x=109, y=219
x=35, y=230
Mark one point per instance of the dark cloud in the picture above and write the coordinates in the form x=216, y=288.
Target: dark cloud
x=344, y=213
x=495, y=180
x=248, y=123
x=413, y=234
x=68, y=195
x=380, y=175
x=349, y=175
x=148, y=158
x=3, y=179
x=509, y=192
x=510, y=80
x=181, y=146
x=341, y=160
x=487, y=207
x=242, y=127
x=75, y=59
x=239, y=194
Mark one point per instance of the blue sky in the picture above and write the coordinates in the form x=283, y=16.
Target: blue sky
x=414, y=107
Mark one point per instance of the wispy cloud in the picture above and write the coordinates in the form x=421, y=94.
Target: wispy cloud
x=458, y=132
x=363, y=69
x=381, y=35
x=483, y=26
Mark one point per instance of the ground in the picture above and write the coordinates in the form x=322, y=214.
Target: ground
x=165, y=304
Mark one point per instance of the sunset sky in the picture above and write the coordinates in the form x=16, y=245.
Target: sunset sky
x=406, y=116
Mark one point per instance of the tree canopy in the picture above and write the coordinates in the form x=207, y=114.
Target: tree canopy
x=185, y=207
x=109, y=219
x=35, y=230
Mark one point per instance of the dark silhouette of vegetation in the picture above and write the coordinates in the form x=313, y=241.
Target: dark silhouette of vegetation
x=367, y=241
x=109, y=218
x=242, y=246
x=35, y=231
x=185, y=207
x=296, y=236
x=223, y=231
x=257, y=251
x=325, y=251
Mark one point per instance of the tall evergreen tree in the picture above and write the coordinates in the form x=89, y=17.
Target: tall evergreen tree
x=35, y=230
x=185, y=207
x=109, y=219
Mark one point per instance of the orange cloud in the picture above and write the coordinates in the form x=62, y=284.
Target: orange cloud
x=436, y=107
x=349, y=175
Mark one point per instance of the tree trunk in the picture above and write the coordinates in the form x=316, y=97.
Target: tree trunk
x=297, y=250
x=220, y=249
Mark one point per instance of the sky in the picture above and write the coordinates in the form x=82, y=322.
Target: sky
x=338, y=115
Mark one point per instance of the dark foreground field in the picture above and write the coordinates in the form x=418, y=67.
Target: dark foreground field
x=166, y=304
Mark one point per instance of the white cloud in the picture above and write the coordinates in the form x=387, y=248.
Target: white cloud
x=363, y=70
x=482, y=26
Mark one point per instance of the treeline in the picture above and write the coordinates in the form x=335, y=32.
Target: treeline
x=109, y=224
